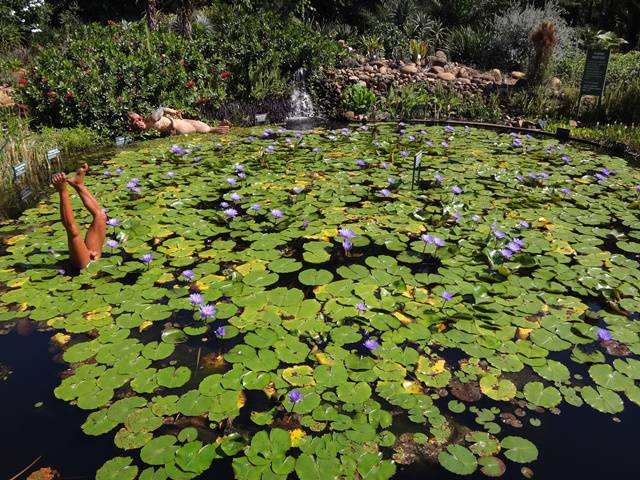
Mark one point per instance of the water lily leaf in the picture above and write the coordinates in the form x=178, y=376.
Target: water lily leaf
x=159, y=451
x=118, y=468
x=492, y=467
x=497, y=389
x=536, y=393
x=609, y=378
x=174, y=336
x=519, y=450
x=309, y=467
x=602, y=399
x=315, y=277
x=260, y=279
x=172, y=377
x=128, y=440
x=299, y=376
x=458, y=459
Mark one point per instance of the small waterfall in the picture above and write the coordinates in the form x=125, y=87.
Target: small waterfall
x=302, y=111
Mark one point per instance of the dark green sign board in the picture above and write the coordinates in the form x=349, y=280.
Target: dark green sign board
x=595, y=73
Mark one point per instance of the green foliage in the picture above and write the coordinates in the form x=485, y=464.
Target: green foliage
x=103, y=72
x=371, y=45
x=469, y=45
x=358, y=99
x=418, y=50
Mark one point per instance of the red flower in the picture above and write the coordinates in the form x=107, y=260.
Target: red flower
x=69, y=94
x=23, y=82
x=22, y=106
x=51, y=94
x=225, y=74
x=190, y=83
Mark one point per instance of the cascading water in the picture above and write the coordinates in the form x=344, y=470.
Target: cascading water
x=302, y=114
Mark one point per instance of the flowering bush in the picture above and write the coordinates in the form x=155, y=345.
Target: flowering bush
x=102, y=72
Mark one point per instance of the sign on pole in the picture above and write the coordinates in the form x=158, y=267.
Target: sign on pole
x=594, y=77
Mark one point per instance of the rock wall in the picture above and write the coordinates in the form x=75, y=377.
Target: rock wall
x=380, y=75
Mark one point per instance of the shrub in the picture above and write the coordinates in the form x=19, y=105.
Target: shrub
x=510, y=44
x=358, y=99
x=407, y=102
x=469, y=45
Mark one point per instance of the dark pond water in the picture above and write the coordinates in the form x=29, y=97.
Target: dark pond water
x=579, y=443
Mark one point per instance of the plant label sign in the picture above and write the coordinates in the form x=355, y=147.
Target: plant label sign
x=595, y=73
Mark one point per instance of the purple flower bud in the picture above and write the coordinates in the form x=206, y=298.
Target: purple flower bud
x=316, y=150
x=604, y=334
x=297, y=190
x=220, y=332
x=517, y=143
x=224, y=204
x=437, y=177
x=524, y=224
x=391, y=180
x=196, y=159
x=404, y=153
x=429, y=143
x=235, y=197
x=188, y=274
x=371, y=344
x=506, y=253
x=106, y=172
x=112, y=243
x=446, y=296
x=196, y=299
x=62, y=271
x=118, y=171
x=445, y=144
x=385, y=192
x=305, y=224
x=566, y=191
x=238, y=167
x=147, y=258
x=361, y=163
x=566, y=159
x=361, y=307
x=255, y=207
x=456, y=189
x=231, y=181
x=295, y=396
x=242, y=175
x=276, y=213
x=449, y=129
x=347, y=245
x=457, y=217
x=499, y=234
x=638, y=188
x=131, y=185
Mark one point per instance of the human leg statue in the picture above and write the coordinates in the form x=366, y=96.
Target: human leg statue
x=97, y=232
x=78, y=251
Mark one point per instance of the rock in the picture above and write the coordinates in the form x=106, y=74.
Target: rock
x=410, y=68
x=573, y=124
x=349, y=115
x=518, y=75
x=446, y=76
x=496, y=74
x=443, y=56
x=464, y=81
x=362, y=83
x=368, y=68
x=464, y=72
x=437, y=69
x=383, y=70
x=353, y=78
x=555, y=84
x=436, y=61
x=6, y=97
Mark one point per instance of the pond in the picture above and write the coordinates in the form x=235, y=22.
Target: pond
x=277, y=303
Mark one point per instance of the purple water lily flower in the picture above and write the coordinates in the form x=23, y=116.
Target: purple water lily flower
x=604, y=334
x=196, y=299
x=235, y=197
x=457, y=217
x=242, y=175
x=346, y=233
x=106, y=172
x=517, y=143
x=524, y=224
x=275, y=213
x=171, y=174
x=566, y=159
x=131, y=185
x=438, y=178
x=391, y=180
x=364, y=127
x=429, y=143
x=147, y=258
x=255, y=207
x=638, y=188
x=51, y=251
x=543, y=175
x=298, y=134
x=532, y=176
x=445, y=144
x=196, y=159
x=411, y=138
x=506, y=253
x=251, y=137
x=361, y=307
x=384, y=165
x=456, y=189
x=188, y=274
x=207, y=311
x=347, y=246
x=566, y=191
x=426, y=238
x=118, y=171
x=270, y=148
x=231, y=212
x=295, y=396
x=449, y=129
x=224, y=204
x=112, y=243
x=513, y=246
x=371, y=344
x=62, y=271
x=345, y=131
x=476, y=218
x=231, y=181
x=404, y=153
x=600, y=177
x=220, y=332
x=446, y=296
x=136, y=190
x=361, y=163
x=549, y=152
x=385, y=192
x=499, y=234
x=305, y=224
x=238, y=167
x=176, y=149
x=297, y=190
x=438, y=242
x=316, y=150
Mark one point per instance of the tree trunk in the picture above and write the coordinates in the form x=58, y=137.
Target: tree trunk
x=152, y=14
x=185, y=18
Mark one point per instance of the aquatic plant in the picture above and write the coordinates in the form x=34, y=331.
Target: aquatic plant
x=317, y=333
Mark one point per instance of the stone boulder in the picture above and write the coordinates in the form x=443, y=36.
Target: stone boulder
x=518, y=75
x=441, y=55
x=437, y=69
x=555, y=84
x=410, y=68
x=446, y=76
x=496, y=74
x=437, y=61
